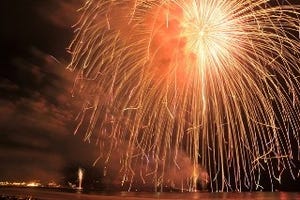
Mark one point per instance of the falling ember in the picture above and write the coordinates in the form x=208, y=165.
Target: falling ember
x=217, y=80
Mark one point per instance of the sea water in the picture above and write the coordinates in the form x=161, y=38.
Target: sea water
x=57, y=194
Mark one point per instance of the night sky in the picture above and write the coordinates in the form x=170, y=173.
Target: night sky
x=37, y=111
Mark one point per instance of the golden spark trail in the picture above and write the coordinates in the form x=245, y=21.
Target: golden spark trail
x=215, y=80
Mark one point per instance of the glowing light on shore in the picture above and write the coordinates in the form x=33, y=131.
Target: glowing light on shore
x=33, y=184
x=217, y=80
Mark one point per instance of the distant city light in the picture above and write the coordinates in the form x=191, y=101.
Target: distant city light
x=51, y=184
x=33, y=184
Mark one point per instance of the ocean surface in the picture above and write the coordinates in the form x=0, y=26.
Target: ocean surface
x=50, y=194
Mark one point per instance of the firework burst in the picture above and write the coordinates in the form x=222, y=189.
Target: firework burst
x=217, y=80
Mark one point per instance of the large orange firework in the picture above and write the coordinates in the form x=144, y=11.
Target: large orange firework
x=217, y=80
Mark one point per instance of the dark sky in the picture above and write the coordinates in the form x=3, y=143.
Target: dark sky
x=36, y=111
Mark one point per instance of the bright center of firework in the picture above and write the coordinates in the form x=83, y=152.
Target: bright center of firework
x=206, y=31
x=201, y=34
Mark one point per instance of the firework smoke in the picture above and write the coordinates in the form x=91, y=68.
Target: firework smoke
x=218, y=80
